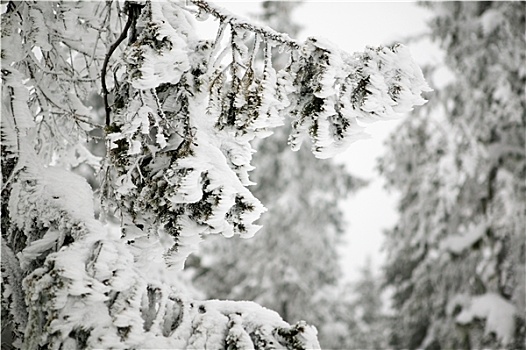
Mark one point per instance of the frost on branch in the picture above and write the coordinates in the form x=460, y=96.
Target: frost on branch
x=324, y=90
x=334, y=90
x=175, y=171
x=181, y=115
x=84, y=288
x=160, y=53
x=497, y=312
x=90, y=293
x=186, y=111
x=42, y=40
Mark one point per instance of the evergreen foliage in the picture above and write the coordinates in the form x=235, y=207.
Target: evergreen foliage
x=180, y=113
x=293, y=260
x=456, y=257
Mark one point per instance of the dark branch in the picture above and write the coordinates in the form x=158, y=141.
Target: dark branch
x=235, y=21
x=133, y=13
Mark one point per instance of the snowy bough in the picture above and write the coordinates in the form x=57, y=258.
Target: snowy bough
x=179, y=116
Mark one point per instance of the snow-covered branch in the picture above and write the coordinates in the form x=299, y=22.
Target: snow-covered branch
x=238, y=22
x=178, y=154
x=85, y=288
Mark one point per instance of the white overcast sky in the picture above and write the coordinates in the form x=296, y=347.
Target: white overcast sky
x=352, y=26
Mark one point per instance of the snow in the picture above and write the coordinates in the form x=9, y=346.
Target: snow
x=458, y=243
x=167, y=64
x=41, y=191
x=498, y=313
x=251, y=312
x=378, y=84
x=124, y=184
x=245, y=318
x=237, y=335
x=20, y=109
x=490, y=20
x=96, y=284
x=37, y=248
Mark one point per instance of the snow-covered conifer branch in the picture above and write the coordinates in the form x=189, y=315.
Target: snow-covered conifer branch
x=85, y=288
x=237, y=22
x=333, y=91
x=178, y=154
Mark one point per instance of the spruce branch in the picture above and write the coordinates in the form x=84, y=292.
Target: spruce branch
x=133, y=13
x=226, y=16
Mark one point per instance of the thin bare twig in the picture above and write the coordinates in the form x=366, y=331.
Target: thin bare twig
x=132, y=18
x=235, y=21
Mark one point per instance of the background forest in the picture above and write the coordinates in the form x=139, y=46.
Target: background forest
x=454, y=271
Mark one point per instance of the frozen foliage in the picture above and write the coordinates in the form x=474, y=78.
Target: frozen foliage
x=180, y=113
x=498, y=314
x=457, y=243
x=334, y=91
x=89, y=293
x=276, y=268
x=460, y=165
x=212, y=110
